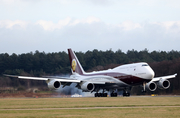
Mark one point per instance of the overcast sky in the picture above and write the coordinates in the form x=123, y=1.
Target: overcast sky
x=55, y=25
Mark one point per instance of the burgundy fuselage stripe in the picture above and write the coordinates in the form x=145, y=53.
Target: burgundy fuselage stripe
x=128, y=79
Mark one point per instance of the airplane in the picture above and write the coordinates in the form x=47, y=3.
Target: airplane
x=123, y=77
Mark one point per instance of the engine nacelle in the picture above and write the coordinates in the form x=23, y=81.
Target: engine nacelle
x=86, y=86
x=54, y=84
x=152, y=86
x=163, y=84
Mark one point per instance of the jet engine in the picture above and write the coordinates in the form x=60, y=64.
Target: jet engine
x=152, y=86
x=54, y=84
x=86, y=86
x=163, y=84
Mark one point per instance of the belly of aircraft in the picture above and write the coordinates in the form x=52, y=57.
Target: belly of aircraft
x=132, y=80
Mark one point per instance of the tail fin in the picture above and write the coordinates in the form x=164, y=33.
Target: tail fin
x=74, y=62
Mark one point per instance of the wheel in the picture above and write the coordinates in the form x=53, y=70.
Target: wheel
x=113, y=94
x=100, y=94
x=95, y=95
x=104, y=94
x=126, y=94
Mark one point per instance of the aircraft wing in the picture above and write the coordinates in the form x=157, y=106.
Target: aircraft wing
x=62, y=79
x=163, y=77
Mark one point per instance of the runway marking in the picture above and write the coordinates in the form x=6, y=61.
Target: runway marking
x=94, y=108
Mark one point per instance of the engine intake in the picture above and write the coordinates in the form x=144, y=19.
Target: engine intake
x=54, y=84
x=152, y=86
x=87, y=86
x=163, y=84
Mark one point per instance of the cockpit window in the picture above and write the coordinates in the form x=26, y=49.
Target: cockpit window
x=144, y=65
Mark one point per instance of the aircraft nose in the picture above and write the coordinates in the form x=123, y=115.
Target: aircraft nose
x=151, y=74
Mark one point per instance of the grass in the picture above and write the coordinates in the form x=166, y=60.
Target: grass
x=33, y=107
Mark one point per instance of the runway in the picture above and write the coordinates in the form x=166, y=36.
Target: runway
x=134, y=106
x=127, y=107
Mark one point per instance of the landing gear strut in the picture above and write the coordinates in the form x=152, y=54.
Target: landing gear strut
x=144, y=87
x=100, y=94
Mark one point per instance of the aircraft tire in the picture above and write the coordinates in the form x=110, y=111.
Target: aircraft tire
x=113, y=94
x=100, y=95
x=126, y=94
x=104, y=94
x=95, y=95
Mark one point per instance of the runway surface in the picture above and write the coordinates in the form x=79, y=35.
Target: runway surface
x=96, y=108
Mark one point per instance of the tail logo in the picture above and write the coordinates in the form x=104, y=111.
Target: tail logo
x=73, y=65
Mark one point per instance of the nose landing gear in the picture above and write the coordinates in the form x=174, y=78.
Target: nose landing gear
x=144, y=87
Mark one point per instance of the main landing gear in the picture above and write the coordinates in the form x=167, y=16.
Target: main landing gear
x=105, y=94
x=113, y=94
x=126, y=94
x=100, y=95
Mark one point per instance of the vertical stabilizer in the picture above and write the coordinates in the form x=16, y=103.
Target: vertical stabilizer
x=74, y=62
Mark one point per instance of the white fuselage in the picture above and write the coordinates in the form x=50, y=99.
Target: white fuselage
x=123, y=75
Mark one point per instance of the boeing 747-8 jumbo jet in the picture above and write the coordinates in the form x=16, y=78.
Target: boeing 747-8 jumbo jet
x=120, y=78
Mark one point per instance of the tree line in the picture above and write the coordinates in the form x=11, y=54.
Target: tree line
x=43, y=64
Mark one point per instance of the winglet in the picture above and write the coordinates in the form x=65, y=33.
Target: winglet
x=74, y=62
